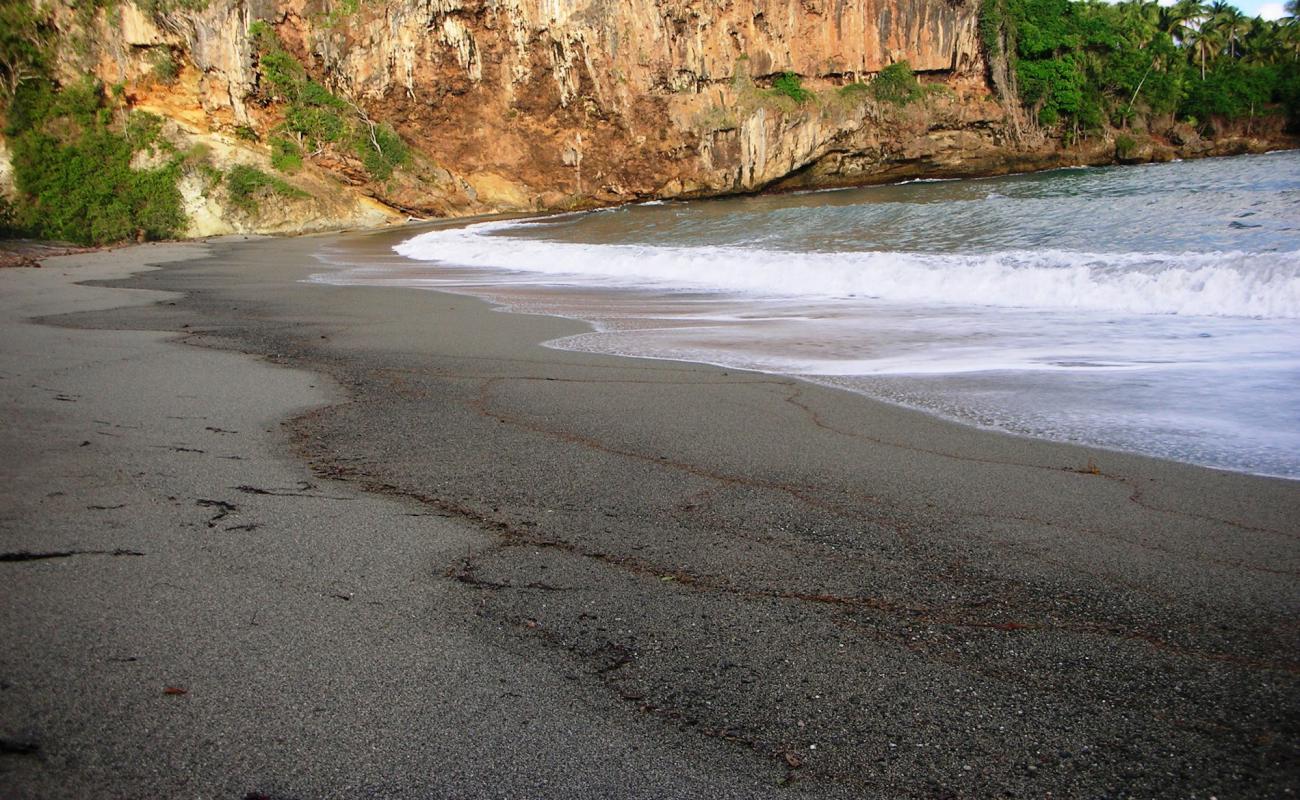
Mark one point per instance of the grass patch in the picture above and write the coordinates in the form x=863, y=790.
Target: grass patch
x=286, y=155
x=143, y=130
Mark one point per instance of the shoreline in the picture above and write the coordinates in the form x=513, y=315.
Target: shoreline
x=777, y=188
x=751, y=578
x=823, y=546
x=587, y=304
x=190, y=609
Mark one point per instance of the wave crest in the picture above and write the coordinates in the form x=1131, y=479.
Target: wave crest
x=1235, y=284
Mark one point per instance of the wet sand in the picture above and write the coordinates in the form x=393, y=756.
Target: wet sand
x=479, y=567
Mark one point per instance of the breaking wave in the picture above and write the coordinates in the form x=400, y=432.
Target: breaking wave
x=1225, y=284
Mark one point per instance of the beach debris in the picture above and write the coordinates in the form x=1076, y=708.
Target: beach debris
x=304, y=490
x=223, y=509
x=24, y=555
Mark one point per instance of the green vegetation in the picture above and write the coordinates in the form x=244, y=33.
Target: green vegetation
x=286, y=155
x=897, y=84
x=86, y=169
x=341, y=11
x=247, y=185
x=72, y=168
x=855, y=89
x=158, y=8
x=73, y=147
x=315, y=118
x=1084, y=65
x=791, y=86
x=25, y=36
x=143, y=131
x=382, y=150
x=166, y=69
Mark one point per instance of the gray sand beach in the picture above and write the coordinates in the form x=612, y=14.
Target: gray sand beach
x=266, y=538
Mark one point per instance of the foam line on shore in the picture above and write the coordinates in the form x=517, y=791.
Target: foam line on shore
x=1228, y=284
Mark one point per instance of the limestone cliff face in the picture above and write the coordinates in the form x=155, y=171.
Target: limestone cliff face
x=541, y=104
x=624, y=99
x=533, y=104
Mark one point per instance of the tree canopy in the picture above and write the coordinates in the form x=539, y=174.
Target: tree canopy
x=1084, y=64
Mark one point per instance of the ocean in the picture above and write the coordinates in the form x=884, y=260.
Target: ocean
x=1152, y=309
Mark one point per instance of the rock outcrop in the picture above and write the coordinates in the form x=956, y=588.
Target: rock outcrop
x=548, y=104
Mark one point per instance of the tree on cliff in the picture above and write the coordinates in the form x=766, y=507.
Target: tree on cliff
x=24, y=45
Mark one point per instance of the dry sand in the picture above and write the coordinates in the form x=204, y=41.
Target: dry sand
x=475, y=567
x=320, y=651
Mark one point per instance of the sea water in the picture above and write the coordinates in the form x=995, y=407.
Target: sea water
x=1153, y=309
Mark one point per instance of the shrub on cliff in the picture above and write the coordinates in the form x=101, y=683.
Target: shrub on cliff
x=897, y=84
x=166, y=69
x=1125, y=146
x=248, y=185
x=382, y=151
x=315, y=117
x=790, y=85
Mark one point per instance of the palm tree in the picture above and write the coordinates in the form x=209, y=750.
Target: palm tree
x=1288, y=36
x=1204, y=43
x=1180, y=19
x=1146, y=15
x=1263, y=43
x=1231, y=25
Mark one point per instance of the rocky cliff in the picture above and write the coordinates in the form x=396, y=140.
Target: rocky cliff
x=547, y=104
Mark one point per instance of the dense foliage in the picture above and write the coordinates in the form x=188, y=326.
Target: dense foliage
x=25, y=36
x=74, y=147
x=72, y=167
x=90, y=170
x=1086, y=64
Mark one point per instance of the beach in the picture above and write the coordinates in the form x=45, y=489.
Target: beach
x=272, y=538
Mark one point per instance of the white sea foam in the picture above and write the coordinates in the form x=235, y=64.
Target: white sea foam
x=1229, y=284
